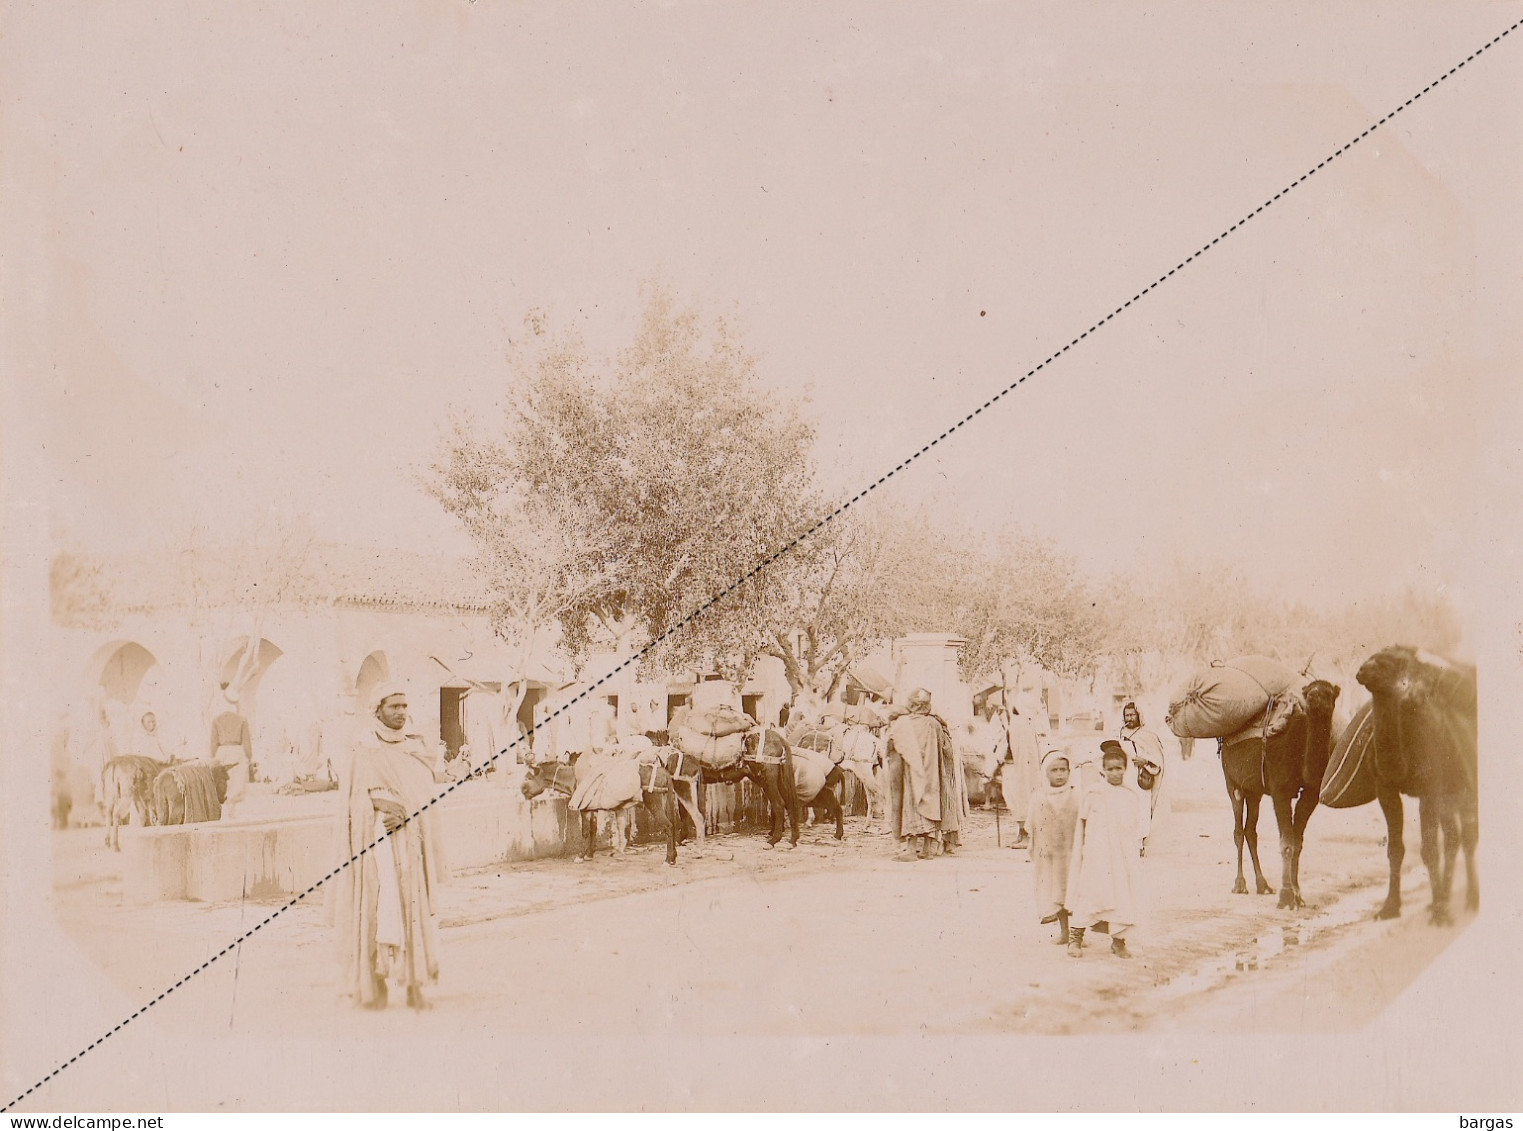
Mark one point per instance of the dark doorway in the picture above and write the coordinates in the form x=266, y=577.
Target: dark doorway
x=451, y=720
x=751, y=705
x=532, y=699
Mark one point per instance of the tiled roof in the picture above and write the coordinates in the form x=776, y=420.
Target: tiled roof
x=319, y=573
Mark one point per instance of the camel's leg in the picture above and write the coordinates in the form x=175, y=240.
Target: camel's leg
x=1396, y=850
x=618, y=828
x=1290, y=898
x=1239, y=838
x=1430, y=821
x=1449, y=823
x=1251, y=833
x=1440, y=827
x=1470, y=835
x=1305, y=806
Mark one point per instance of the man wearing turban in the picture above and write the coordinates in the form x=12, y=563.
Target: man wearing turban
x=1145, y=750
x=386, y=897
x=928, y=807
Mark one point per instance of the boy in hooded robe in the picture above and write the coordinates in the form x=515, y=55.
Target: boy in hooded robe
x=1103, y=874
x=1052, y=816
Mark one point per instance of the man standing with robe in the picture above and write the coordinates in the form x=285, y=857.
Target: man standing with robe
x=232, y=745
x=1144, y=749
x=1016, y=748
x=386, y=897
x=928, y=807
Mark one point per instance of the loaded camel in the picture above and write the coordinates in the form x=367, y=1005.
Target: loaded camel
x=1287, y=767
x=1424, y=710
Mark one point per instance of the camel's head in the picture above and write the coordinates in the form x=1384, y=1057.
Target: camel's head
x=1389, y=671
x=1321, y=695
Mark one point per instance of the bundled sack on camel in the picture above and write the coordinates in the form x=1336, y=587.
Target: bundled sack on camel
x=718, y=752
x=717, y=722
x=1229, y=696
x=1272, y=720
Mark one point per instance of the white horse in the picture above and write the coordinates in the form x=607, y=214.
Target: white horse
x=864, y=754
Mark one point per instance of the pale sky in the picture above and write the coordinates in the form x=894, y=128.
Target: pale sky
x=256, y=254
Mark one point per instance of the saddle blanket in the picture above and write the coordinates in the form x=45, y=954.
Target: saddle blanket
x=605, y=783
x=1350, y=778
x=809, y=771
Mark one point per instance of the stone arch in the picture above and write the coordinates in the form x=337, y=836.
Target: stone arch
x=120, y=667
x=252, y=668
x=375, y=670
x=124, y=679
x=243, y=672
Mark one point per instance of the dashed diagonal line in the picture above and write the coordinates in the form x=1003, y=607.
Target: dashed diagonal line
x=767, y=562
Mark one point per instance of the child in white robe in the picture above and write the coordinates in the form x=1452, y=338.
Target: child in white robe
x=1102, y=879
x=1052, y=817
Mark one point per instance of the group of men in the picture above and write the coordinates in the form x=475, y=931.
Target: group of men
x=927, y=791
x=386, y=897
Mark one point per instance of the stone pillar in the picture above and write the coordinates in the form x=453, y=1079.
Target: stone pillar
x=929, y=660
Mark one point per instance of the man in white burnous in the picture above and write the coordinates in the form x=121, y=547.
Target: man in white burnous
x=386, y=898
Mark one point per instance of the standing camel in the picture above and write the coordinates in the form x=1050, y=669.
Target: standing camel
x=1424, y=708
x=1286, y=767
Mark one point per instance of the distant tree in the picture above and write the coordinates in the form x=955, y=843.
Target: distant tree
x=1025, y=601
x=836, y=603
x=1163, y=625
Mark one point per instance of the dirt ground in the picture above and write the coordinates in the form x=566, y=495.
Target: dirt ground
x=829, y=939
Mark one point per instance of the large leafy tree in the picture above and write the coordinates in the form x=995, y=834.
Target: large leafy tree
x=651, y=482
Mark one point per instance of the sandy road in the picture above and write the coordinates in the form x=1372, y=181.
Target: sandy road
x=831, y=940
x=833, y=937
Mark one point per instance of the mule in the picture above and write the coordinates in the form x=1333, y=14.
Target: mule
x=127, y=793
x=767, y=761
x=656, y=793
x=863, y=759
x=189, y=793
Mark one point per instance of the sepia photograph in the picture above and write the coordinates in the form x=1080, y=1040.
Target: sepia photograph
x=724, y=557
